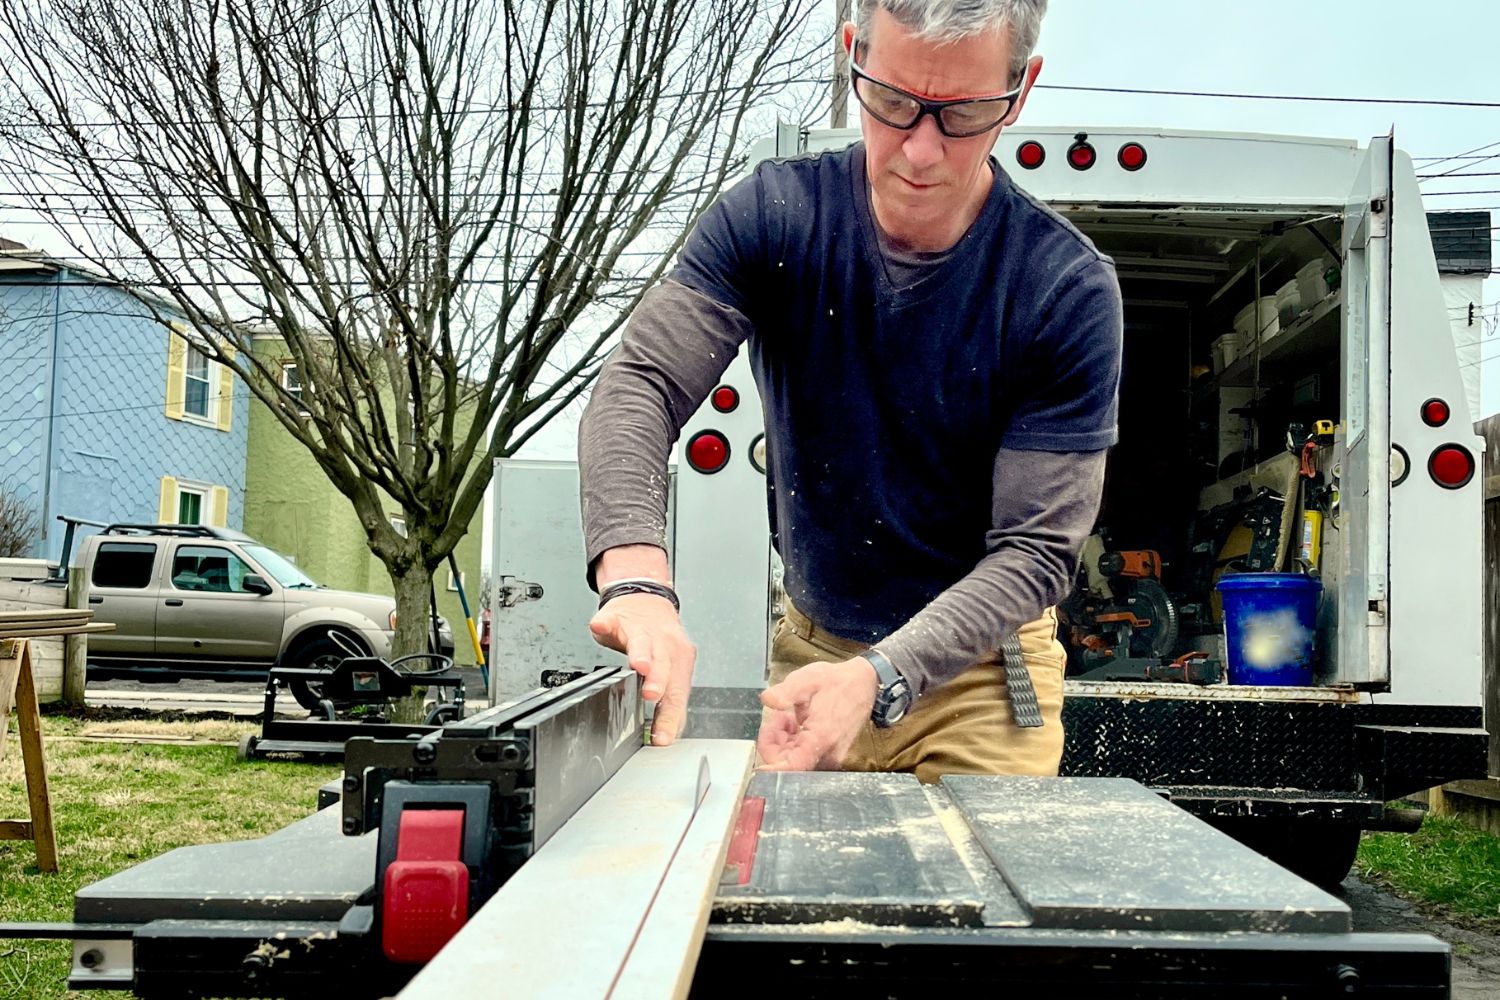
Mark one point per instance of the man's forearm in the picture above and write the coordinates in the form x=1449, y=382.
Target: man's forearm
x=1045, y=506
x=676, y=346
x=631, y=562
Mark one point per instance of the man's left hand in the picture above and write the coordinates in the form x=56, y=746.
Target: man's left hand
x=815, y=715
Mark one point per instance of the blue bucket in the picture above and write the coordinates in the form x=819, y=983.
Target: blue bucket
x=1269, y=623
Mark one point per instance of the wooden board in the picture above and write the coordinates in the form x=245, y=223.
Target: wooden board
x=26, y=633
x=616, y=902
x=38, y=616
x=666, y=950
x=30, y=595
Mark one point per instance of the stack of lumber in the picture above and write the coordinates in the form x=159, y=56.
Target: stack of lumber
x=36, y=622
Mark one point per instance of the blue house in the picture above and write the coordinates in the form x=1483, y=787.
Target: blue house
x=104, y=413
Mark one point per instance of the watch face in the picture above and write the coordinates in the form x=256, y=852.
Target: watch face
x=893, y=704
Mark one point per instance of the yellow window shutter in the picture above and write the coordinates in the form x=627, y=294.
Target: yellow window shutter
x=176, y=371
x=167, y=514
x=218, y=506
x=226, y=398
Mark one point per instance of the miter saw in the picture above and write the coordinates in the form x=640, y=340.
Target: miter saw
x=1123, y=625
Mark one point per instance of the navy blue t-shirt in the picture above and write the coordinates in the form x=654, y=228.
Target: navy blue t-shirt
x=886, y=405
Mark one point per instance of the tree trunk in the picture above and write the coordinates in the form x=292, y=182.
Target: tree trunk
x=413, y=631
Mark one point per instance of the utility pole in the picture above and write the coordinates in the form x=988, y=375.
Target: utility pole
x=839, y=116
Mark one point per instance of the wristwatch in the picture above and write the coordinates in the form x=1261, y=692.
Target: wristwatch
x=894, y=698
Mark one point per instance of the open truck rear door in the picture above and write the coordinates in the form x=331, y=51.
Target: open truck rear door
x=1364, y=473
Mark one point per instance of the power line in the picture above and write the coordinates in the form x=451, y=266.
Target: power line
x=1422, y=177
x=1468, y=154
x=1450, y=194
x=1423, y=102
x=475, y=108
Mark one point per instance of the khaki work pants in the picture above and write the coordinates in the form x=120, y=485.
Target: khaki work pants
x=962, y=726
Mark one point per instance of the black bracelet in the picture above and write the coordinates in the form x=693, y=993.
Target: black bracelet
x=624, y=587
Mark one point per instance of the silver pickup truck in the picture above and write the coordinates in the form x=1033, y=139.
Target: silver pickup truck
x=191, y=601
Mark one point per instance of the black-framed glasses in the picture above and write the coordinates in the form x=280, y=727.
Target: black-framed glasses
x=960, y=119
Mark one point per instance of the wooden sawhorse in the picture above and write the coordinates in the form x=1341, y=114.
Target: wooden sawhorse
x=18, y=691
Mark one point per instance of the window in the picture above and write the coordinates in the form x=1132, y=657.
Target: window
x=291, y=380
x=189, y=504
x=208, y=569
x=455, y=583
x=124, y=564
x=195, y=385
x=398, y=525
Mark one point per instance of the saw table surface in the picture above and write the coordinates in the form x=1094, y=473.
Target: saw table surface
x=306, y=871
x=1053, y=853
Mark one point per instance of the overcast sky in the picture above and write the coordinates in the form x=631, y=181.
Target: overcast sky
x=1327, y=48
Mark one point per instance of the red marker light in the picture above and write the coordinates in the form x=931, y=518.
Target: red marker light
x=708, y=452
x=725, y=398
x=1435, y=413
x=1031, y=154
x=1132, y=156
x=1081, y=155
x=1451, y=466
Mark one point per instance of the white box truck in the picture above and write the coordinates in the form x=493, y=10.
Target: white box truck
x=1274, y=287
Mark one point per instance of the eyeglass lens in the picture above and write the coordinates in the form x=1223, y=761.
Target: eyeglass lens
x=900, y=111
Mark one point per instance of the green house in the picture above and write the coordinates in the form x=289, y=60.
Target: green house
x=292, y=507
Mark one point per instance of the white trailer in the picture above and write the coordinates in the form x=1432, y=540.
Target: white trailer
x=1324, y=243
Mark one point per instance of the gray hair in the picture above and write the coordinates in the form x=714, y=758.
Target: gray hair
x=949, y=20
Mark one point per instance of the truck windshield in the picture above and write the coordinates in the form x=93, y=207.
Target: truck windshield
x=279, y=566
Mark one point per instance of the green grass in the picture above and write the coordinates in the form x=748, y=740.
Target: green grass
x=1448, y=865
x=116, y=804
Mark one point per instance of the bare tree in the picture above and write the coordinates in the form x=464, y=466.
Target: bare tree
x=18, y=523
x=444, y=209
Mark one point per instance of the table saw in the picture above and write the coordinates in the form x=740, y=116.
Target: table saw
x=537, y=849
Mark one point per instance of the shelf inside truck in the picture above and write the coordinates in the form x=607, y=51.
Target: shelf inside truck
x=1312, y=337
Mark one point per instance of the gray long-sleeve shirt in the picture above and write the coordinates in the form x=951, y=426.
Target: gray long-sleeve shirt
x=674, y=351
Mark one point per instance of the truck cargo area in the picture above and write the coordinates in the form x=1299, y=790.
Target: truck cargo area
x=1203, y=476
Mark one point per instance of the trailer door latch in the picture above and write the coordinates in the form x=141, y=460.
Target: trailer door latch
x=513, y=591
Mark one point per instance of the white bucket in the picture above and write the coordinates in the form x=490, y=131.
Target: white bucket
x=1269, y=324
x=1288, y=302
x=1223, y=351
x=1310, y=284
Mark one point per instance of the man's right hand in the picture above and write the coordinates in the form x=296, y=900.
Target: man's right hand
x=648, y=630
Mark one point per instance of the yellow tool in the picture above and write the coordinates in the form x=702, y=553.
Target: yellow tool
x=1311, y=549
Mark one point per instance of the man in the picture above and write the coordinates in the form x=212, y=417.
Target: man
x=938, y=355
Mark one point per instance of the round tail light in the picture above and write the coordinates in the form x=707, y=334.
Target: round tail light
x=708, y=452
x=1435, y=413
x=1451, y=466
x=725, y=398
x=1132, y=156
x=1031, y=155
x=1081, y=155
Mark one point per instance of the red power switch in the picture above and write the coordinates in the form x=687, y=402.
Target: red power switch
x=426, y=891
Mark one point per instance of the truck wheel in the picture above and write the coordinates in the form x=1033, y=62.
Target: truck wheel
x=1319, y=851
x=320, y=654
